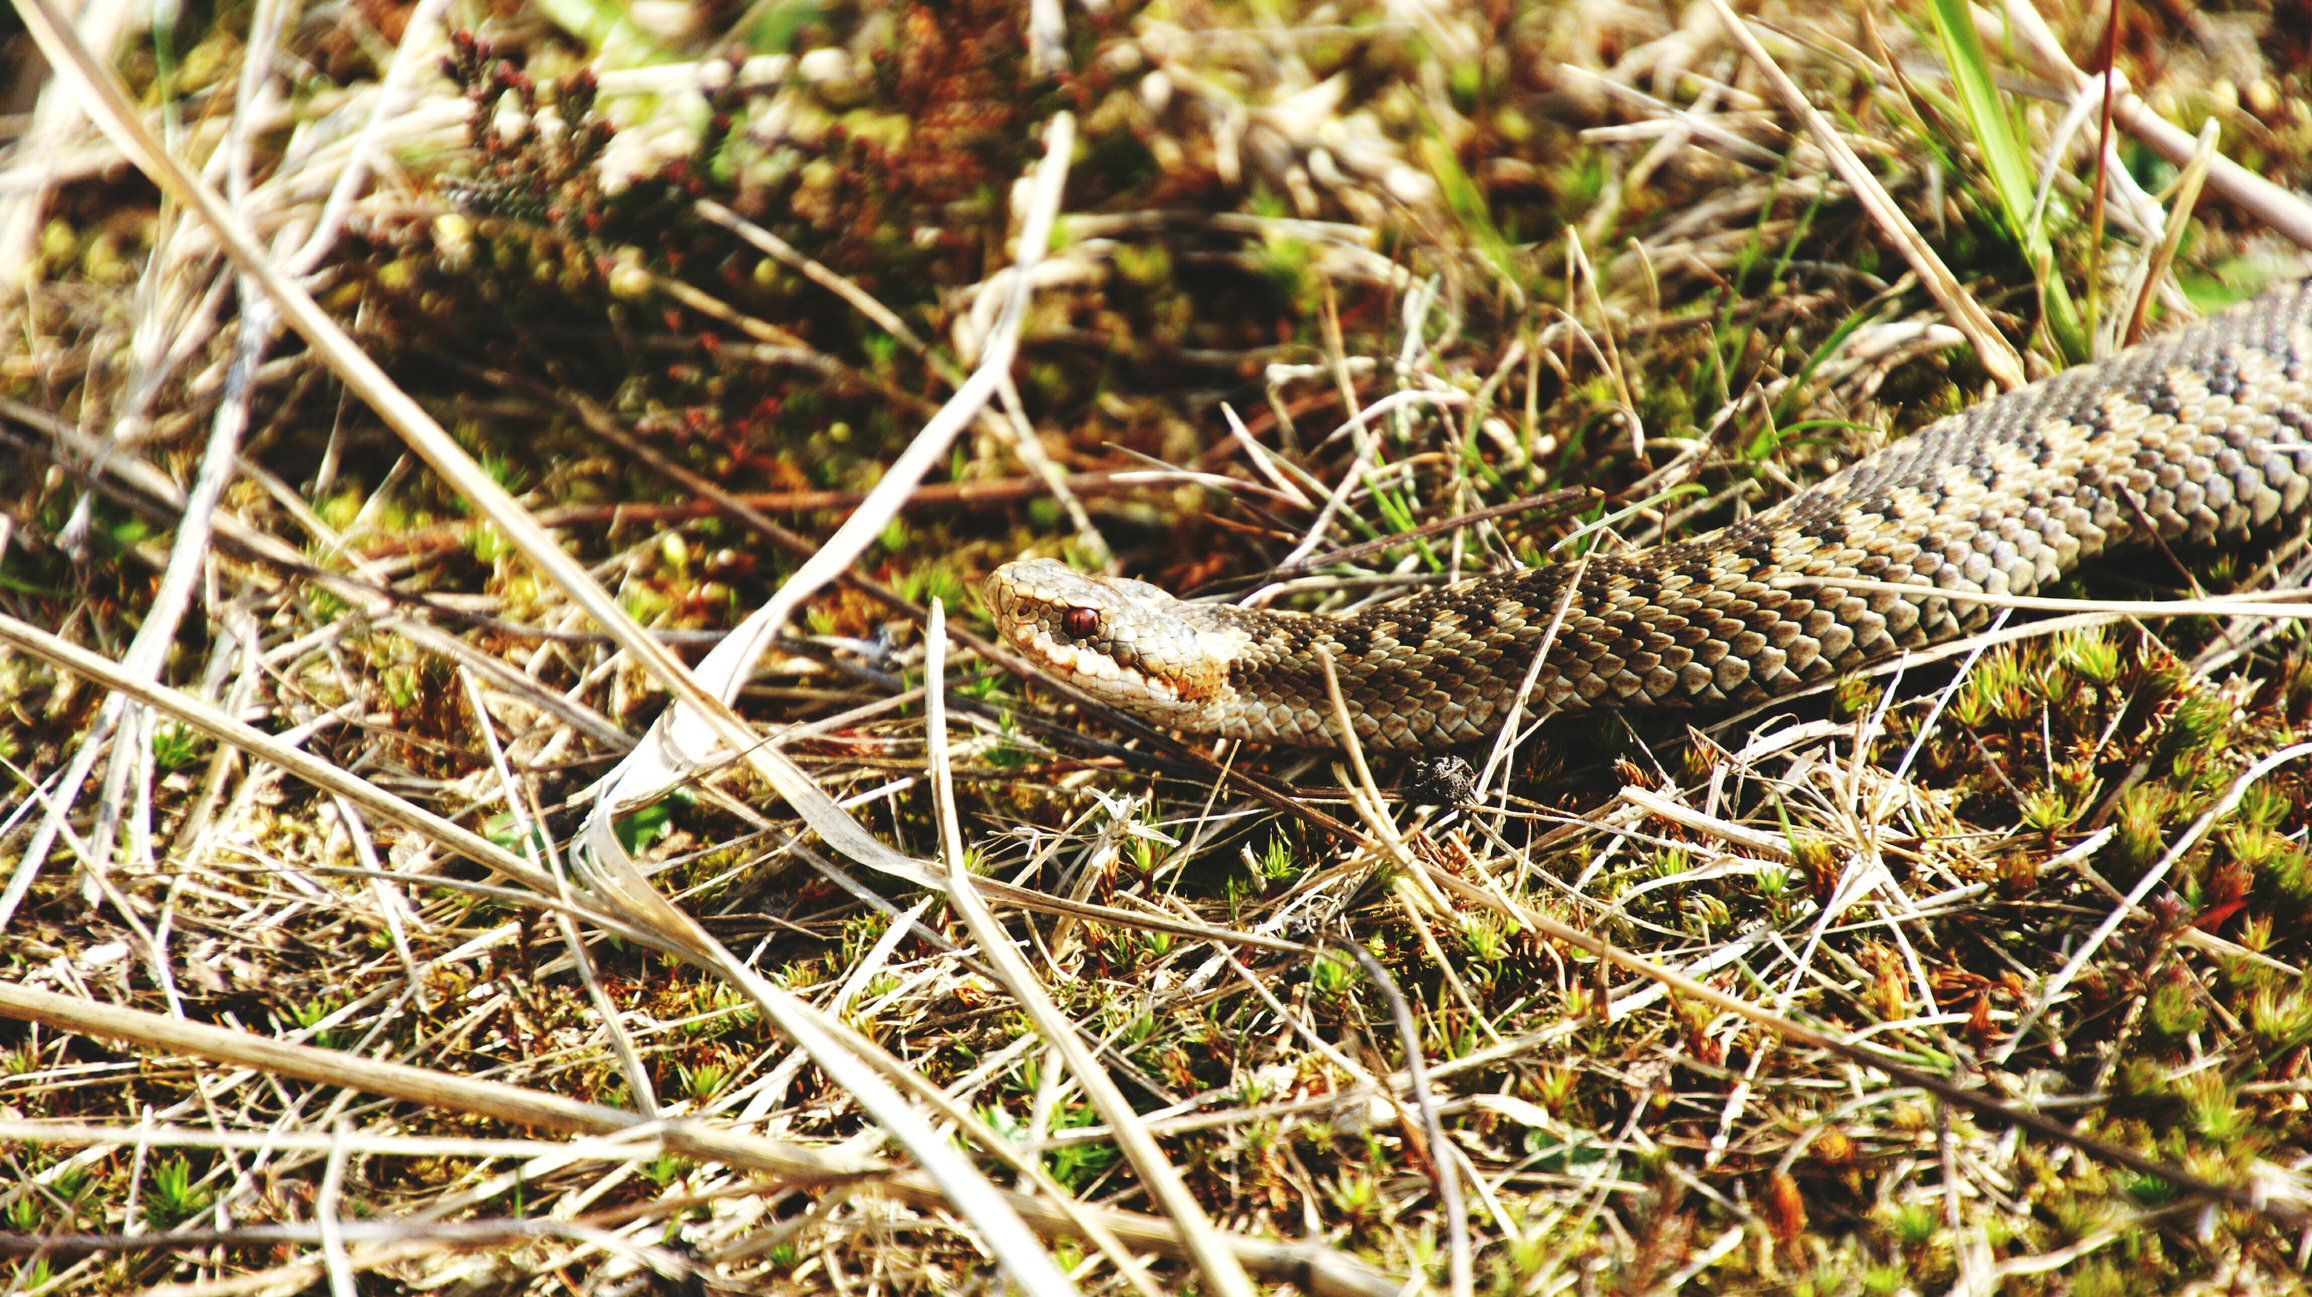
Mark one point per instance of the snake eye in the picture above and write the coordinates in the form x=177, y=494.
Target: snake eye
x=1080, y=623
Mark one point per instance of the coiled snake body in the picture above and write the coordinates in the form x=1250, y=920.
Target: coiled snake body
x=2204, y=434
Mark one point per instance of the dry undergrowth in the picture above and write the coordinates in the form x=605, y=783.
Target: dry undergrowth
x=1594, y=268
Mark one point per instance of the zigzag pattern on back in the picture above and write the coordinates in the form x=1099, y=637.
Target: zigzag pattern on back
x=2198, y=436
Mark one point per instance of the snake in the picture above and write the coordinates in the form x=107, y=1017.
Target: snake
x=2197, y=436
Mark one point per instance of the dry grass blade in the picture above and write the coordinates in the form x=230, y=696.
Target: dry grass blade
x=1220, y=1267
x=2245, y=605
x=269, y=748
x=389, y=608
x=187, y=557
x=1504, y=747
x=1006, y=1236
x=860, y=300
x=534, y=841
x=410, y=54
x=321, y=774
x=1316, y=1270
x=1748, y=839
x=1084, y=1222
x=2000, y=358
x=1445, y=1167
x=2155, y=269
x=657, y=763
x=1350, y=481
x=508, y=1103
x=66, y=1132
x=399, y=411
x=2272, y=204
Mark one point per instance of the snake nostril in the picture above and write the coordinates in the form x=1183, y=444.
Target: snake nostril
x=1080, y=623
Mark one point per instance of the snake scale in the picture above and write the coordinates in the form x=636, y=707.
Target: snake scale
x=2201, y=435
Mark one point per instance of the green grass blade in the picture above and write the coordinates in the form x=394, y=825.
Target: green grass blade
x=2010, y=169
x=1986, y=113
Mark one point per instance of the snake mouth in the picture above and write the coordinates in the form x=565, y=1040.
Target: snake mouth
x=1096, y=672
x=1041, y=607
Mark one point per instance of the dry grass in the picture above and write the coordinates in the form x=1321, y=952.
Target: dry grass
x=518, y=828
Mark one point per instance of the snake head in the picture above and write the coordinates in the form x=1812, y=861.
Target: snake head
x=1125, y=642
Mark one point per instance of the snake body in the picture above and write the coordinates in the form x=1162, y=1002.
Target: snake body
x=2202, y=435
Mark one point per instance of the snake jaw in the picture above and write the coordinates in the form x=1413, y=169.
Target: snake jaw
x=1143, y=652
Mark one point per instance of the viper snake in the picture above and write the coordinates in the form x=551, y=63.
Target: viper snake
x=2202, y=435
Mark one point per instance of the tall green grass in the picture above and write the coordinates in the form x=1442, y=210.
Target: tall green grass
x=1999, y=137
